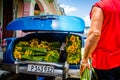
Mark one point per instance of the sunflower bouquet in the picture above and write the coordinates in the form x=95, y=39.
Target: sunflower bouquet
x=73, y=49
x=36, y=50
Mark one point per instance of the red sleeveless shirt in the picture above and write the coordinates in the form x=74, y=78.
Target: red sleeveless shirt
x=107, y=52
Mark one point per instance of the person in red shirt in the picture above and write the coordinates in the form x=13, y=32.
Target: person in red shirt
x=103, y=40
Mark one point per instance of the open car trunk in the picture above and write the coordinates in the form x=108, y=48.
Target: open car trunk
x=48, y=47
x=54, y=49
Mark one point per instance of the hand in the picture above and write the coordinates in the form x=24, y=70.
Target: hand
x=83, y=66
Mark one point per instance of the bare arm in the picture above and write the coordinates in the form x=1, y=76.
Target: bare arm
x=94, y=33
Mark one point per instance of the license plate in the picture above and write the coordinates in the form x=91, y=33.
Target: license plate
x=41, y=68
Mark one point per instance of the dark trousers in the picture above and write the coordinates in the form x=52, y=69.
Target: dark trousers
x=112, y=74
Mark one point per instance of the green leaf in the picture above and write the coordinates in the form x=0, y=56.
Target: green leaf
x=86, y=75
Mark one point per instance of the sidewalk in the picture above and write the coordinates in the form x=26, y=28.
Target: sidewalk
x=1, y=57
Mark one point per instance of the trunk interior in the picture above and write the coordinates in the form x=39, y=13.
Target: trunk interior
x=48, y=47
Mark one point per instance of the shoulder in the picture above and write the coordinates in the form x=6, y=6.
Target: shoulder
x=96, y=11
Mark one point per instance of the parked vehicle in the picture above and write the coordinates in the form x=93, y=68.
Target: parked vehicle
x=53, y=48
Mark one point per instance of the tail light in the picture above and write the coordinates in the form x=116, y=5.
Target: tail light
x=4, y=44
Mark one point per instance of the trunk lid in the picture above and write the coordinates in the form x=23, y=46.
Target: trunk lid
x=48, y=23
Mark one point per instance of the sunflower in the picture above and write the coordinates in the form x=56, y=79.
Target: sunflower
x=17, y=55
x=73, y=49
x=72, y=38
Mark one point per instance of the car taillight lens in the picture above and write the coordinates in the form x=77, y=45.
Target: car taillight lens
x=4, y=44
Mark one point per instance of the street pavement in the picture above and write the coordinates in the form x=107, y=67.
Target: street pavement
x=1, y=57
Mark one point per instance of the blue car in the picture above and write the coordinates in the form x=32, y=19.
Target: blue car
x=53, y=48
